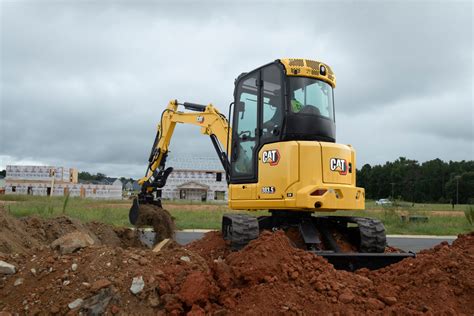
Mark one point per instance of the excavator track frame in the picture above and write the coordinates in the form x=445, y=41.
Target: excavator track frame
x=369, y=236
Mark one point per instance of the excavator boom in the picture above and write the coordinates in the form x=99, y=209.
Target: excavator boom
x=212, y=123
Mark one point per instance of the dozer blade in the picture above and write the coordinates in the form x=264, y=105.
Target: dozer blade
x=354, y=261
x=134, y=212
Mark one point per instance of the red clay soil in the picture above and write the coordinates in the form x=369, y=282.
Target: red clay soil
x=269, y=276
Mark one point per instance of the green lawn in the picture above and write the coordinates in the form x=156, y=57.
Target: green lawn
x=422, y=207
x=189, y=217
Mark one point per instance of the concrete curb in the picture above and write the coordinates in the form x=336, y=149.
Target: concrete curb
x=389, y=236
x=422, y=236
x=196, y=230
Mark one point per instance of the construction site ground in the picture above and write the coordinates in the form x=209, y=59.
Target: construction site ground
x=62, y=266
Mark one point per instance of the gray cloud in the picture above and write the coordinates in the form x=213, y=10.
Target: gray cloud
x=84, y=83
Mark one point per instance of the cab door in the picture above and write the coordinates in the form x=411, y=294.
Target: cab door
x=243, y=173
x=245, y=130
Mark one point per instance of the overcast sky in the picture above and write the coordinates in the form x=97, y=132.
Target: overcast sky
x=83, y=83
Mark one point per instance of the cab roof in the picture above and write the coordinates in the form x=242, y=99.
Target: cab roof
x=309, y=68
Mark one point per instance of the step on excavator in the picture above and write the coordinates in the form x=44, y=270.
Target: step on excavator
x=280, y=154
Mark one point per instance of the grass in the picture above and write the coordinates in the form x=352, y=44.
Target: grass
x=436, y=225
x=418, y=207
x=115, y=212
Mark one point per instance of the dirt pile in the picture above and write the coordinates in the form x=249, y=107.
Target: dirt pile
x=27, y=235
x=14, y=237
x=269, y=276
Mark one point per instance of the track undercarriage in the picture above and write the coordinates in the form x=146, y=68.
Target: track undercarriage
x=349, y=243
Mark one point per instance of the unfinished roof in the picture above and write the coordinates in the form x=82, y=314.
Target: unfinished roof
x=195, y=163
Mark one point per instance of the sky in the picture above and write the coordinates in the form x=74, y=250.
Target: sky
x=83, y=83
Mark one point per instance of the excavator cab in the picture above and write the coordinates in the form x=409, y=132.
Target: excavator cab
x=273, y=104
x=280, y=154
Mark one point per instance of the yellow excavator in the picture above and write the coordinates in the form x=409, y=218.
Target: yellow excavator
x=280, y=154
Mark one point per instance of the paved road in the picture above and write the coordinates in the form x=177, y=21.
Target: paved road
x=407, y=243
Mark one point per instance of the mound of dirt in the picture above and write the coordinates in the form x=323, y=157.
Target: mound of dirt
x=158, y=218
x=27, y=235
x=14, y=237
x=48, y=230
x=211, y=246
x=269, y=276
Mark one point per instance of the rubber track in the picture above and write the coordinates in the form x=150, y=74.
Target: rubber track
x=372, y=235
x=244, y=229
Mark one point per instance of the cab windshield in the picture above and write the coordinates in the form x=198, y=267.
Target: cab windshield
x=311, y=97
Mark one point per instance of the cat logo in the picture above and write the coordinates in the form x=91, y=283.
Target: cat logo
x=271, y=157
x=338, y=165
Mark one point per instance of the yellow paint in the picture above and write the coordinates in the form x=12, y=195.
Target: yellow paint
x=211, y=122
x=297, y=67
x=242, y=191
x=303, y=168
x=281, y=175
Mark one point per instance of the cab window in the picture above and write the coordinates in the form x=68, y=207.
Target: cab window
x=244, y=138
x=311, y=96
x=272, y=104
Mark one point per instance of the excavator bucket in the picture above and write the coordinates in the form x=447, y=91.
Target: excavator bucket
x=134, y=212
x=151, y=214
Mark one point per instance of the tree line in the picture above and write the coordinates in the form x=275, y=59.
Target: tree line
x=433, y=181
x=87, y=176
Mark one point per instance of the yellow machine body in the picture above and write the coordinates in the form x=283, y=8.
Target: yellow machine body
x=302, y=175
x=293, y=175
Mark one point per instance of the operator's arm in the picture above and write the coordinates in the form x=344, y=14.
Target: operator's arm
x=212, y=123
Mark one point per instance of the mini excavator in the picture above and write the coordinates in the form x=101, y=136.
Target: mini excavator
x=280, y=154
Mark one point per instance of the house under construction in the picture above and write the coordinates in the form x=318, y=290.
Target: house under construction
x=55, y=181
x=197, y=179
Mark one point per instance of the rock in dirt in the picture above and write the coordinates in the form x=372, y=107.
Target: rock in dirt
x=137, y=285
x=76, y=303
x=72, y=242
x=346, y=298
x=389, y=300
x=18, y=282
x=96, y=305
x=6, y=268
x=100, y=284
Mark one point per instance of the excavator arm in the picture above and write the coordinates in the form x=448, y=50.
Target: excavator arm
x=212, y=123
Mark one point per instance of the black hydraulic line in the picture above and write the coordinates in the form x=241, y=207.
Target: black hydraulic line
x=227, y=174
x=222, y=155
x=194, y=107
